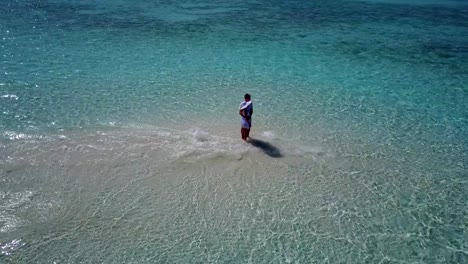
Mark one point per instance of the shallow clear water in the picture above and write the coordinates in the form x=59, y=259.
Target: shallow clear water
x=119, y=132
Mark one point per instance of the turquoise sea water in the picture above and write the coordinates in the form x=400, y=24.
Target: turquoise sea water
x=120, y=141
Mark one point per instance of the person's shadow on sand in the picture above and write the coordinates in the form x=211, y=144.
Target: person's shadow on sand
x=266, y=147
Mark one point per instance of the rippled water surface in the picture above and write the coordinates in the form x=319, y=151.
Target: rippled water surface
x=119, y=132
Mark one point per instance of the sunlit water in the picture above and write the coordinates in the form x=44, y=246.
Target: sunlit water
x=120, y=142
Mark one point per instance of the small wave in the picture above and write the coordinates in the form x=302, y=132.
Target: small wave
x=15, y=200
x=11, y=96
x=11, y=135
x=9, y=203
x=200, y=135
x=10, y=222
x=8, y=248
x=197, y=143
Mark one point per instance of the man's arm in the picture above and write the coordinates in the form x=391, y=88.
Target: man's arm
x=244, y=115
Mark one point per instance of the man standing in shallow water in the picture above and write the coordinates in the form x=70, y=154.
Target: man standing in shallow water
x=246, y=112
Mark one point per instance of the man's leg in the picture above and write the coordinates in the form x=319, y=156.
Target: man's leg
x=248, y=129
x=243, y=134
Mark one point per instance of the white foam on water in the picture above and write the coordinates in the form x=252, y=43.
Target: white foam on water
x=7, y=248
x=198, y=143
x=269, y=134
x=133, y=141
x=11, y=96
x=17, y=199
x=15, y=135
x=12, y=135
x=200, y=135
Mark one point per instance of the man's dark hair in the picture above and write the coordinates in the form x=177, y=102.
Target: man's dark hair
x=247, y=96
